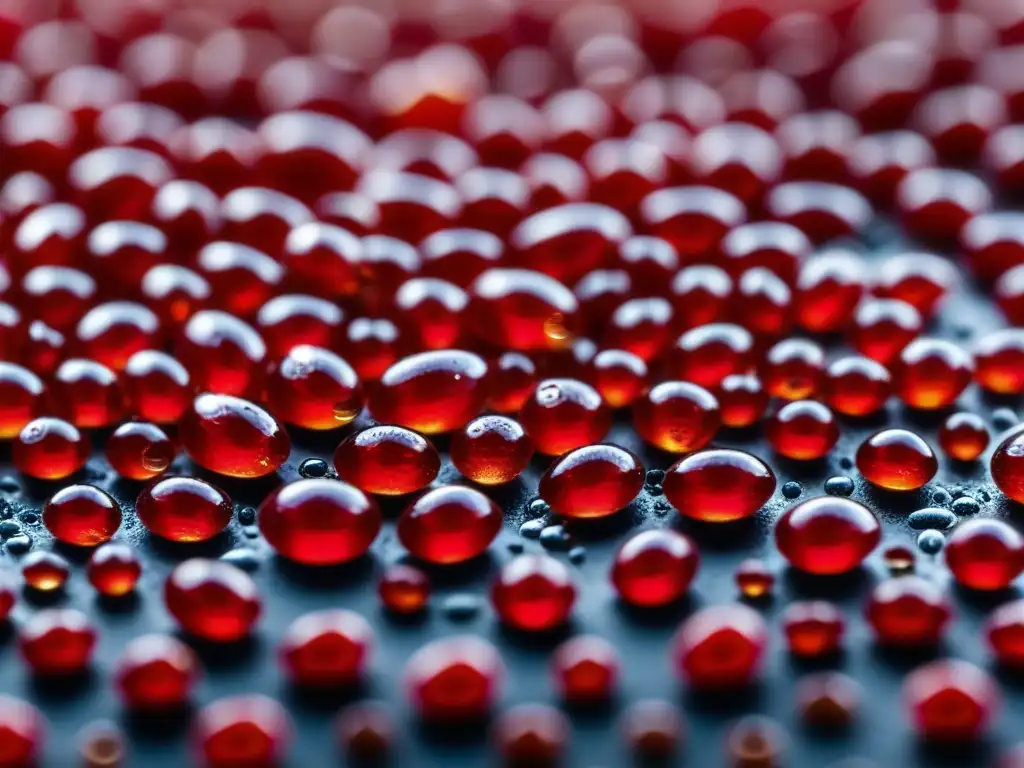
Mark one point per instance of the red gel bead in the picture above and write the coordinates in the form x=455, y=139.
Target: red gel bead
x=822, y=211
x=720, y=647
x=366, y=731
x=431, y=392
x=9, y=585
x=251, y=730
x=620, y=377
x=922, y=280
x=510, y=380
x=623, y=171
x=828, y=289
x=585, y=670
x=1004, y=632
x=640, y=326
x=121, y=252
x=908, y=612
x=963, y=436
x=22, y=398
x=404, y=590
x=880, y=161
x=692, y=219
x=950, y=700
x=743, y=160
x=654, y=568
x=140, y=451
x=156, y=673
x=114, y=570
x=111, y=333
x=677, y=416
x=13, y=344
x=454, y=679
x=22, y=732
x=260, y=218
x=45, y=571
x=592, y=481
x=1008, y=466
x=292, y=319
x=935, y=203
x=553, y=180
x=882, y=328
x=719, y=485
x=460, y=255
x=57, y=642
x=816, y=145
x=86, y=393
x=856, y=386
x=827, y=535
x=881, y=84
x=931, y=373
x=652, y=728
x=184, y=509
x=754, y=579
x=233, y=437
x=792, y=369
x=38, y=137
x=50, y=449
x=649, y=261
x=985, y=554
x=707, y=354
x=82, y=515
x=212, y=600
x=763, y=304
x=319, y=521
x=20, y=195
x=599, y=294
x=999, y=361
x=804, y=430
x=813, y=629
x=241, y=278
x=958, y=120
x=313, y=388
x=503, y=129
x=533, y=593
x=327, y=649
x=521, y=309
x=411, y=204
x=323, y=259
x=156, y=386
x=58, y=296
x=491, y=450
x=371, y=346
x=779, y=248
x=431, y=310
x=896, y=460
x=386, y=263
x=188, y=213
x=51, y=235
x=449, y=525
x=531, y=734
x=563, y=414
x=117, y=182
x=700, y=295
x=217, y=152
x=742, y=400
x=387, y=460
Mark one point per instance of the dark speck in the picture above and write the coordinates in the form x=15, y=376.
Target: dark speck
x=656, y=490
x=931, y=542
x=792, y=490
x=9, y=484
x=985, y=496
x=245, y=559
x=839, y=486
x=19, y=545
x=655, y=477
x=313, y=468
x=515, y=547
x=555, y=537
x=460, y=607
x=538, y=507
x=934, y=518
x=966, y=505
x=9, y=528
x=1004, y=418
x=941, y=496
x=846, y=462
x=247, y=515
x=577, y=555
x=5, y=510
x=29, y=518
x=531, y=529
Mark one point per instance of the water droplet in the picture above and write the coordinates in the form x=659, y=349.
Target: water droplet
x=931, y=542
x=29, y=518
x=460, y=607
x=19, y=545
x=538, y=507
x=9, y=484
x=846, y=462
x=313, y=468
x=515, y=547
x=932, y=518
x=251, y=531
x=792, y=490
x=247, y=516
x=9, y=528
x=1004, y=418
x=941, y=496
x=555, y=537
x=655, y=477
x=839, y=486
x=656, y=490
x=531, y=529
x=577, y=555
x=966, y=505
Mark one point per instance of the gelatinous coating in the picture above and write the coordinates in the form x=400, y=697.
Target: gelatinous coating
x=950, y=700
x=592, y=481
x=719, y=485
x=212, y=600
x=563, y=414
x=139, y=451
x=233, y=437
x=155, y=673
x=897, y=460
x=327, y=649
x=1008, y=466
x=314, y=388
x=533, y=593
x=654, y=568
x=491, y=450
x=185, y=509
x=250, y=729
x=677, y=416
x=804, y=430
x=455, y=679
x=449, y=525
x=387, y=460
x=522, y=310
x=827, y=535
x=82, y=515
x=985, y=554
x=720, y=647
x=157, y=386
x=50, y=449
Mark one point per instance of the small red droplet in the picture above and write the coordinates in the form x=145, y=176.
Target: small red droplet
x=827, y=535
x=533, y=593
x=985, y=554
x=720, y=647
x=654, y=568
x=327, y=649
x=212, y=600
x=719, y=485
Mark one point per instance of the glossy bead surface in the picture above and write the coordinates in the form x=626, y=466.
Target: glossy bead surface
x=82, y=515
x=882, y=328
x=754, y=579
x=719, y=485
x=793, y=369
x=491, y=450
x=813, y=629
x=856, y=386
x=138, y=450
x=184, y=509
x=720, y=648
x=114, y=570
x=563, y=414
x=22, y=396
x=804, y=430
x=533, y=734
x=522, y=310
x=677, y=416
x=156, y=386
x=592, y=481
x=985, y=554
x=45, y=571
x=327, y=649
x=999, y=361
x=233, y=437
x=896, y=460
x=827, y=535
x=212, y=600
x=387, y=460
x=707, y=354
x=510, y=381
x=1004, y=631
x=533, y=593
x=742, y=400
x=155, y=673
x=932, y=373
x=828, y=289
x=403, y=590
x=449, y=525
x=314, y=388
x=654, y=568
x=908, y=612
x=249, y=729
x=50, y=449
x=223, y=354
x=291, y=319
x=963, y=436
x=455, y=679
x=111, y=333
x=57, y=642
x=950, y=701
x=585, y=670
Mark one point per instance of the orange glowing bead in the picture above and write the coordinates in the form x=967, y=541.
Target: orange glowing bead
x=233, y=437
x=856, y=386
x=454, y=679
x=371, y=346
x=585, y=670
x=1004, y=632
x=491, y=450
x=212, y=600
x=431, y=392
x=828, y=289
x=804, y=430
x=22, y=398
x=677, y=416
x=523, y=310
x=50, y=449
x=82, y=515
x=881, y=328
x=563, y=414
x=754, y=579
x=157, y=387
x=908, y=612
x=813, y=629
x=185, y=509
x=793, y=368
x=317, y=521
x=111, y=333
x=86, y=393
x=742, y=400
x=619, y=376
x=985, y=554
x=719, y=485
x=654, y=568
x=720, y=647
x=533, y=593
x=387, y=460
x=57, y=642
x=114, y=569
x=222, y=354
x=999, y=361
x=156, y=673
x=510, y=381
x=932, y=373
x=288, y=320
x=313, y=388
x=1008, y=466
x=45, y=571
x=642, y=326
x=827, y=535
x=592, y=481
x=963, y=436
x=327, y=649
x=449, y=525
x=896, y=460
x=951, y=701
x=140, y=451
x=922, y=280
x=404, y=590
x=707, y=354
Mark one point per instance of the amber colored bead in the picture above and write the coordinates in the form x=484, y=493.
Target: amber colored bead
x=22, y=732
x=742, y=400
x=533, y=593
x=563, y=414
x=719, y=485
x=57, y=641
x=156, y=673
x=138, y=450
x=619, y=376
x=922, y=280
x=233, y=437
x=707, y=354
x=491, y=450
x=387, y=460
x=950, y=700
x=963, y=436
x=431, y=311
x=22, y=398
x=592, y=481
x=314, y=388
x=813, y=629
x=449, y=525
x=985, y=554
x=1008, y=467
x=156, y=386
x=677, y=416
x=792, y=369
x=754, y=579
x=999, y=361
x=1008, y=293
x=720, y=647
x=223, y=354
x=804, y=430
x=654, y=568
x=908, y=611
x=86, y=393
x=932, y=373
x=291, y=319
x=212, y=600
x=455, y=679
x=510, y=380
x=652, y=728
x=45, y=571
x=250, y=729
x=404, y=590
x=828, y=701
x=184, y=509
x=585, y=670
x=828, y=289
x=640, y=326
x=531, y=735
x=82, y=515
x=755, y=741
x=327, y=649
x=114, y=569
x=521, y=309
x=827, y=535
x=856, y=386
x=896, y=460
x=50, y=449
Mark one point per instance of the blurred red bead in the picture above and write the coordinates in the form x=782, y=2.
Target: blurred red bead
x=720, y=648
x=156, y=673
x=57, y=642
x=456, y=679
x=248, y=730
x=654, y=568
x=585, y=670
x=827, y=535
x=950, y=701
x=114, y=570
x=183, y=509
x=212, y=600
x=327, y=649
x=533, y=593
